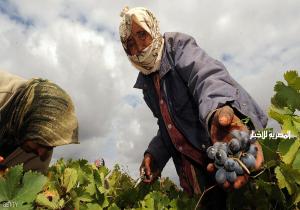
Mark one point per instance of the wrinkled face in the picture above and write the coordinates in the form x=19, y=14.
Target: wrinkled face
x=138, y=40
x=31, y=147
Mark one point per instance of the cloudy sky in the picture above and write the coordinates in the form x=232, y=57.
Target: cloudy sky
x=76, y=45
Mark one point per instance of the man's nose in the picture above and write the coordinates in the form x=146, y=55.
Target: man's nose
x=40, y=152
x=139, y=48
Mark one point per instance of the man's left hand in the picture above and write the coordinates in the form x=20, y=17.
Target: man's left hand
x=223, y=122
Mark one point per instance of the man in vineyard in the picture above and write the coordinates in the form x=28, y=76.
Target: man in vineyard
x=193, y=97
x=36, y=116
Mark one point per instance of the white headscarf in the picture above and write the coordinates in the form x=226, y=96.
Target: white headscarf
x=149, y=60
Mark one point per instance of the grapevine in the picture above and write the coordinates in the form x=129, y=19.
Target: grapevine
x=80, y=185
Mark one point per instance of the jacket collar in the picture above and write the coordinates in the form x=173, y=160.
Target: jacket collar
x=164, y=68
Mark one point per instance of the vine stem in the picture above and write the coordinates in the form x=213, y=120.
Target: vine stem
x=205, y=191
x=242, y=165
x=258, y=173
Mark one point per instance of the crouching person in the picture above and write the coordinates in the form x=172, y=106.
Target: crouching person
x=36, y=116
x=195, y=100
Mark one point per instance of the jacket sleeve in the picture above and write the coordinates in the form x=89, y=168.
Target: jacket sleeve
x=210, y=83
x=159, y=151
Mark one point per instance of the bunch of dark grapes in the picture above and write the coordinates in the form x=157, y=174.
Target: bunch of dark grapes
x=234, y=158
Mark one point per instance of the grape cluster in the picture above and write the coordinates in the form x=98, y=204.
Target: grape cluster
x=233, y=158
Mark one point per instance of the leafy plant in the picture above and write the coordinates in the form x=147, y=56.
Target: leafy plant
x=79, y=185
x=76, y=184
x=277, y=186
x=18, y=191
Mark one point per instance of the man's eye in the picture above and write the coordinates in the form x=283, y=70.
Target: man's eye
x=130, y=43
x=142, y=35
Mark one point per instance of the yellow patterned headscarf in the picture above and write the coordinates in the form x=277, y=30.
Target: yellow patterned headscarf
x=149, y=60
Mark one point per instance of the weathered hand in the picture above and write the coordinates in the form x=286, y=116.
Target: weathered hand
x=223, y=122
x=3, y=168
x=151, y=173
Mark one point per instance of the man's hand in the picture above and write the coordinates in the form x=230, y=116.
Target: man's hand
x=3, y=168
x=223, y=122
x=151, y=172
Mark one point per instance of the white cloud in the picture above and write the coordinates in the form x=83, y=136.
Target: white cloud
x=224, y=21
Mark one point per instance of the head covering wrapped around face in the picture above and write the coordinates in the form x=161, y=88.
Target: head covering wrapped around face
x=42, y=112
x=149, y=60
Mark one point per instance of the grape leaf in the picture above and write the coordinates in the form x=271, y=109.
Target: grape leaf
x=269, y=147
x=32, y=184
x=288, y=178
x=69, y=179
x=291, y=175
x=277, y=113
x=85, y=197
x=21, y=191
x=9, y=184
x=59, y=167
x=93, y=206
x=91, y=188
x=273, y=191
x=113, y=207
x=282, y=182
x=82, y=162
x=296, y=198
x=296, y=162
x=105, y=202
x=98, y=181
x=288, y=121
x=81, y=197
x=296, y=124
x=104, y=170
x=55, y=203
x=293, y=79
x=288, y=149
x=155, y=200
x=286, y=96
x=289, y=124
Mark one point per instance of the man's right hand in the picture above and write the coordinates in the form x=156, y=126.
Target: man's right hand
x=151, y=172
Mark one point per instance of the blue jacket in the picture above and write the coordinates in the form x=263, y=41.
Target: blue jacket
x=194, y=84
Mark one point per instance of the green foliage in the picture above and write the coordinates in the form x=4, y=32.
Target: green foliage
x=286, y=102
x=288, y=95
x=19, y=191
x=277, y=186
x=76, y=184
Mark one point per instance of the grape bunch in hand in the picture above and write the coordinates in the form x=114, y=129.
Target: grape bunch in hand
x=233, y=158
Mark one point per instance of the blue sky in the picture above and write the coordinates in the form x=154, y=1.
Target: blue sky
x=76, y=44
x=12, y=12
